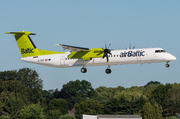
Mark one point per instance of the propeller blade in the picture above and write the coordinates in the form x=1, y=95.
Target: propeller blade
x=109, y=45
x=105, y=54
x=129, y=45
x=107, y=58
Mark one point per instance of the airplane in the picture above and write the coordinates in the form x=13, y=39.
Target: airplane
x=84, y=57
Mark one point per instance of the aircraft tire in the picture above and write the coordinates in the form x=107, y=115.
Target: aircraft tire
x=167, y=65
x=83, y=70
x=108, y=71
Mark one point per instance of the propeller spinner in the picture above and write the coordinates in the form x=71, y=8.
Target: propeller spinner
x=106, y=52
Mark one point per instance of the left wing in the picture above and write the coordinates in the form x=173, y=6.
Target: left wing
x=74, y=48
x=83, y=53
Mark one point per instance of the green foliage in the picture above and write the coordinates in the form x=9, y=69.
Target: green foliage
x=104, y=93
x=25, y=82
x=53, y=114
x=46, y=95
x=136, y=89
x=171, y=103
x=171, y=118
x=122, y=105
x=78, y=90
x=32, y=111
x=59, y=104
x=19, y=88
x=67, y=116
x=89, y=106
x=151, y=112
x=129, y=95
x=148, y=90
x=152, y=82
x=12, y=104
x=160, y=93
x=4, y=117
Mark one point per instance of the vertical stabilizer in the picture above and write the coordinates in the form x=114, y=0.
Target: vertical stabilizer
x=26, y=46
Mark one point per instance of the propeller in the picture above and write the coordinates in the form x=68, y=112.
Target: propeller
x=130, y=46
x=106, y=52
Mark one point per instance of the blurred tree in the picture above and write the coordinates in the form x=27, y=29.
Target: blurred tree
x=31, y=111
x=104, y=93
x=124, y=103
x=25, y=81
x=89, y=106
x=152, y=82
x=12, y=104
x=160, y=93
x=148, y=90
x=67, y=116
x=53, y=114
x=151, y=112
x=59, y=104
x=171, y=104
x=135, y=89
x=78, y=90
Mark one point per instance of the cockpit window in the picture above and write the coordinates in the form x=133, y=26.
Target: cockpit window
x=163, y=51
x=159, y=51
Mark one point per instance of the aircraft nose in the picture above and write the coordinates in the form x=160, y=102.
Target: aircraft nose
x=173, y=58
x=170, y=57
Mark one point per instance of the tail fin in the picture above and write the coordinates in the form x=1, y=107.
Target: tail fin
x=26, y=45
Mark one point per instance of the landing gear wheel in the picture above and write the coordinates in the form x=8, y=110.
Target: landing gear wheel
x=108, y=71
x=167, y=65
x=83, y=70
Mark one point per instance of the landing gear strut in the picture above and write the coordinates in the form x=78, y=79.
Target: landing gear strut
x=108, y=70
x=167, y=65
x=83, y=70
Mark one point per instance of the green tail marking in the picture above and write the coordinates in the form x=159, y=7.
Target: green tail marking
x=26, y=46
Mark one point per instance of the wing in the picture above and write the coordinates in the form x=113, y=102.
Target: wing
x=74, y=48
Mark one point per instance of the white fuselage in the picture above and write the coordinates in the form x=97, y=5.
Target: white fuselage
x=119, y=57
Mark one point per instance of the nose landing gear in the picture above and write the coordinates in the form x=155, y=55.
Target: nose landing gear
x=167, y=65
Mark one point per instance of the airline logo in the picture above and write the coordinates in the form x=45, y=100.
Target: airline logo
x=132, y=53
x=26, y=50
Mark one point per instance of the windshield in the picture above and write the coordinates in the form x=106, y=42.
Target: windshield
x=159, y=51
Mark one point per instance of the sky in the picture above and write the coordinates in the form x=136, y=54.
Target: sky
x=146, y=24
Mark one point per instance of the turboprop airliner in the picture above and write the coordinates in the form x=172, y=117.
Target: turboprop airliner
x=84, y=57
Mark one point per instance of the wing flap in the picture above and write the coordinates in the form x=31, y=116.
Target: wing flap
x=73, y=48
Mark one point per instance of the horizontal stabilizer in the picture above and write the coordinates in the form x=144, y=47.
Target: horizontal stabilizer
x=21, y=32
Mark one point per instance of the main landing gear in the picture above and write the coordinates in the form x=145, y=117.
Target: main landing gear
x=108, y=70
x=83, y=70
x=167, y=65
